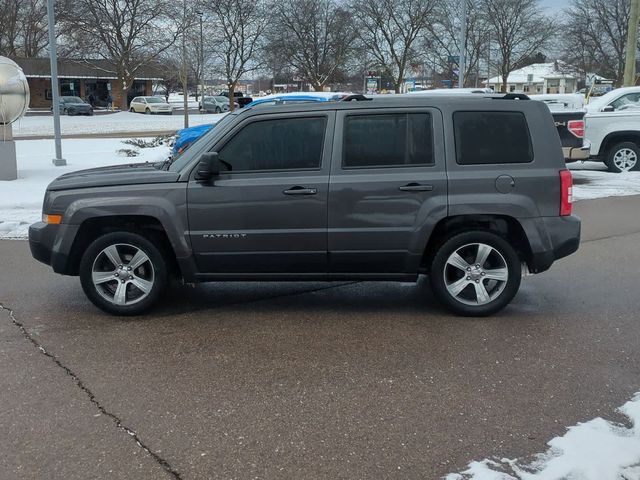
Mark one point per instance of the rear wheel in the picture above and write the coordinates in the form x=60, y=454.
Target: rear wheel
x=623, y=157
x=475, y=273
x=123, y=273
x=132, y=110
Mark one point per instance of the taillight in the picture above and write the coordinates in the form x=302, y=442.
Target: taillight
x=566, y=193
x=576, y=127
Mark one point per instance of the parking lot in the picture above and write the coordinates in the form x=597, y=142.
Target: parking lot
x=313, y=380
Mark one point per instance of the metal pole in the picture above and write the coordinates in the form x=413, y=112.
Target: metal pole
x=632, y=36
x=184, y=66
x=463, y=40
x=201, y=60
x=58, y=161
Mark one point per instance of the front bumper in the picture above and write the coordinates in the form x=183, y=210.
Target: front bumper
x=564, y=239
x=51, y=244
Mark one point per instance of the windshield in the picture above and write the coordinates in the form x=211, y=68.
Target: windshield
x=182, y=160
x=154, y=100
x=221, y=99
x=72, y=100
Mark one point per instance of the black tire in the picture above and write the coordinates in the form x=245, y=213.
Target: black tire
x=218, y=110
x=71, y=112
x=620, y=149
x=132, y=110
x=443, y=274
x=147, y=111
x=127, y=242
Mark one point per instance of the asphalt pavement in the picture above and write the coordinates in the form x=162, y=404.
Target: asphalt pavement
x=348, y=380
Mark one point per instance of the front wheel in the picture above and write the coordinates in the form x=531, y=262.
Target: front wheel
x=623, y=157
x=147, y=112
x=475, y=273
x=218, y=110
x=123, y=273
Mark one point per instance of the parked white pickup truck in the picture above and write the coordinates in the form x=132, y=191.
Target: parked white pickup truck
x=612, y=127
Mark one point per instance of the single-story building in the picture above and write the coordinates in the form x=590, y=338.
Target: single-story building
x=554, y=77
x=91, y=80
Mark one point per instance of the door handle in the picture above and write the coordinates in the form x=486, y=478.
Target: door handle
x=298, y=190
x=416, y=187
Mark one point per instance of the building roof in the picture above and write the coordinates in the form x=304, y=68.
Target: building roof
x=81, y=68
x=538, y=72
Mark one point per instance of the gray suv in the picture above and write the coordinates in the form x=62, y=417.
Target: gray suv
x=471, y=191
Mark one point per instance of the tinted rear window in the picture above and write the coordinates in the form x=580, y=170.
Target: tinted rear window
x=492, y=138
x=388, y=140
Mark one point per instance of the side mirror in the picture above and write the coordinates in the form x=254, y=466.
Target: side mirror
x=208, y=166
x=608, y=108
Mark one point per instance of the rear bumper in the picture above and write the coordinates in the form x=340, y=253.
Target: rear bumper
x=564, y=239
x=575, y=154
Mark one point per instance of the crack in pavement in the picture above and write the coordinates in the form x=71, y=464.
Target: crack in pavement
x=92, y=398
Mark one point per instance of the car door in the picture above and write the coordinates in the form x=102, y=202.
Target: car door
x=388, y=188
x=266, y=214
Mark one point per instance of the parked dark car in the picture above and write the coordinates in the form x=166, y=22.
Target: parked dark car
x=74, y=106
x=470, y=190
x=239, y=97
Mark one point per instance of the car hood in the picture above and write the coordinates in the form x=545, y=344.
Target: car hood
x=131, y=174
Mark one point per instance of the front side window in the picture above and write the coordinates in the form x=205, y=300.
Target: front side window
x=279, y=144
x=492, y=138
x=387, y=140
x=626, y=102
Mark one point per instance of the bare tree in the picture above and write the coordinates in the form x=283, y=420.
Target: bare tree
x=315, y=37
x=239, y=26
x=595, y=36
x=23, y=27
x=519, y=29
x=130, y=33
x=389, y=29
x=443, y=38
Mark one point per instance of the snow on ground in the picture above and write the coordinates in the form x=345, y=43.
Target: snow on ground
x=592, y=180
x=121, y=122
x=21, y=199
x=595, y=450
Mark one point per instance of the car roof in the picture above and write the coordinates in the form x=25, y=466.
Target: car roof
x=389, y=101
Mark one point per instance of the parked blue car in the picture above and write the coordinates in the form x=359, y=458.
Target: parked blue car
x=186, y=136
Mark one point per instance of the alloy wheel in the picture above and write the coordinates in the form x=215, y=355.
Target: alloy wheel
x=123, y=274
x=476, y=274
x=625, y=159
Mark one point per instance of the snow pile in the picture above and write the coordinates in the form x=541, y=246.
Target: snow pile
x=121, y=122
x=595, y=450
x=21, y=199
x=592, y=180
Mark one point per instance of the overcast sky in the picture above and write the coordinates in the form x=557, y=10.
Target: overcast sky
x=554, y=4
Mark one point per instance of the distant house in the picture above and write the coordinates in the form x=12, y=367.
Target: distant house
x=88, y=79
x=554, y=77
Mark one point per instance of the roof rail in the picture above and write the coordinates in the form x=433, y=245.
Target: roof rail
x=514, y=96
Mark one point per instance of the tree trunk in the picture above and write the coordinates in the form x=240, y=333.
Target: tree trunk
x=122, y=86
x=232, y=97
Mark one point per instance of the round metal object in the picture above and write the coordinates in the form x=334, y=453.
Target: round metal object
x=14, y=92
x=123, y=274
x=625, y=159
x=476, y=274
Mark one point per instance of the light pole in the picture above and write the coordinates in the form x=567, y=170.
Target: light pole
x=58, y=161
x=463, y=40
x=201, y=59
x=185, y=98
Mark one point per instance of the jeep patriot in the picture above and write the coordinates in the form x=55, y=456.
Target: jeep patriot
x=470, y=190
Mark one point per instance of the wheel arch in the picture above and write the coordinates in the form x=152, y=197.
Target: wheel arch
x=505, y=226
x=617, y=137
x=148, y=226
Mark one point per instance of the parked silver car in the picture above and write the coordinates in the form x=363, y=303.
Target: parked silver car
x=217, y=104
